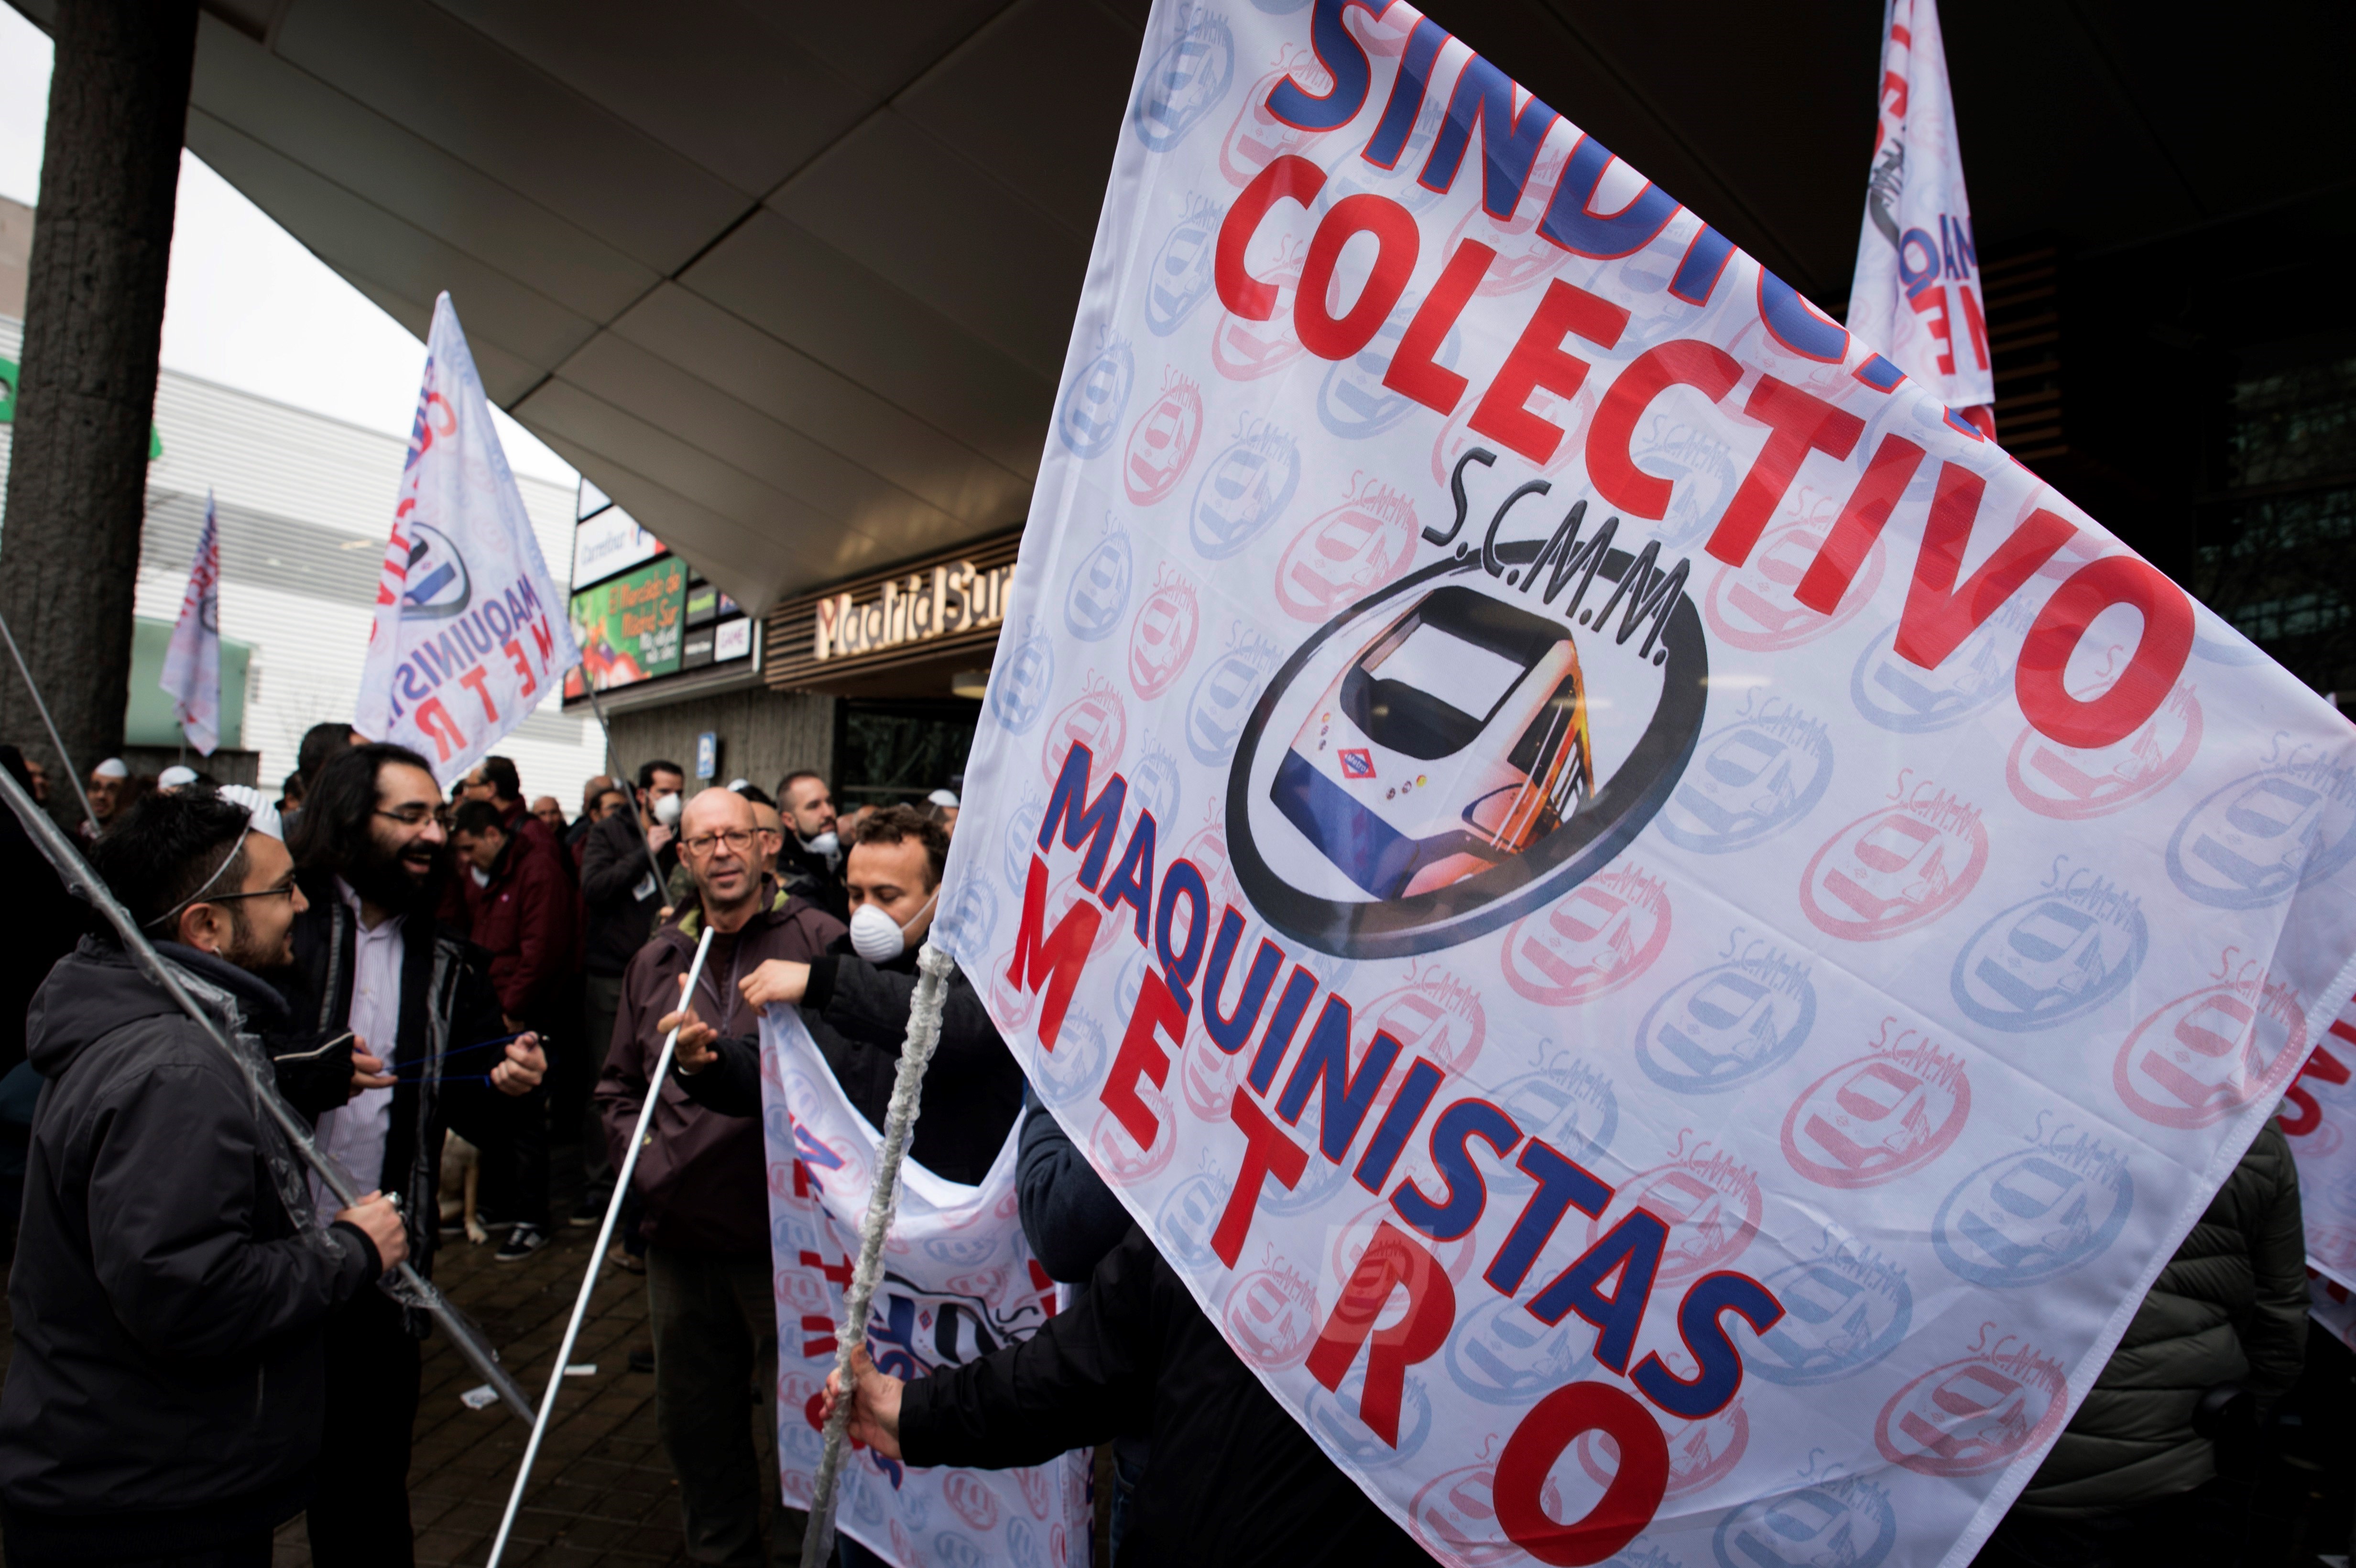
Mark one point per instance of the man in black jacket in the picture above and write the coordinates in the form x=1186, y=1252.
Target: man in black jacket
x=369, y=957
x=1235, y=1480
x=165, y=1398
x=857, y=1012
x=811, y=857
x=624, y=867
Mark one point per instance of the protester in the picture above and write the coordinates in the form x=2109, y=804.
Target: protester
x=1235, y=1479
x=624, y=865
x=369, y=957
x=290, y=795
x=168, y=1396
x=36, y=782
x=813, y=851
x=520, y=912
x=943, y=809
x=2154, y=1465
x=1072, y=1219
x=546, y=811
x=111, y=790
x=495, y=780
x=856, y=1000
x=178, y=777
x=591, y=794
x=704, y=1178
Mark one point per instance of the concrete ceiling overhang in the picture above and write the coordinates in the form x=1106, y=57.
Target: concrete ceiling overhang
x=793, y=282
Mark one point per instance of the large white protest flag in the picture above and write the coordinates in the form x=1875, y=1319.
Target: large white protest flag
x=958, y=1282
x=1665, y=937
x=470, y=632
x=1917, y=297
x=192, y=662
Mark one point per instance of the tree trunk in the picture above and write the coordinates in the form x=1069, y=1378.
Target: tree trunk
x=93, y=325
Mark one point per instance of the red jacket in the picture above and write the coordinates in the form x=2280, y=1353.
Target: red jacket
x=524, y=917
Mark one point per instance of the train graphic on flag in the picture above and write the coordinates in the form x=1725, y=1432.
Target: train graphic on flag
x=1455, y=739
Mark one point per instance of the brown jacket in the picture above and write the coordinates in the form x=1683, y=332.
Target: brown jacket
x=703, y=1175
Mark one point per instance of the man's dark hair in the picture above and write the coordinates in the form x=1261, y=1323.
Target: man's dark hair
x=321, y=745
x=338, y=804
x=158, y=854
x=897, y=823
x=753, y=793
x=785, y=785
x=646, y=771
x=477, y=817
x=501, y=776
x=290, y=789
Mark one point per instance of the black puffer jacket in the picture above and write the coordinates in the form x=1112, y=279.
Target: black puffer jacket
x=2230, y=1306
x=167, y=1388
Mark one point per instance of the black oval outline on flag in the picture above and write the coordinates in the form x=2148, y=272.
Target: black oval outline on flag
x=1429, y=922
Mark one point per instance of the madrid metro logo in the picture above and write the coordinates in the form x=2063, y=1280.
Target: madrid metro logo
x=1449, y=755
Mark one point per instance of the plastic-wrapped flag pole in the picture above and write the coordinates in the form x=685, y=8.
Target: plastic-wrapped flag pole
x=907, y=1091
x=638, y=1140
x=79, y=878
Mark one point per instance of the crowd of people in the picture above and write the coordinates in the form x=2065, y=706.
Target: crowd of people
x=202, y=1349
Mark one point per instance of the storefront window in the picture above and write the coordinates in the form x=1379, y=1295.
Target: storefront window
x=900, y=752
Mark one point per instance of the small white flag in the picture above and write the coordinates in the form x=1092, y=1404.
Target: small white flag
x=192, y=664
x=1916, y=296
x=469, y=633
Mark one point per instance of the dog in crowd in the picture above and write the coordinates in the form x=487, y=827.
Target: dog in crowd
x=462, y=1180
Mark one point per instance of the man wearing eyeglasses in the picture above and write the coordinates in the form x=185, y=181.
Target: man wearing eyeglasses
x=369, y=957
x=704, y=1178
x=174, y=1275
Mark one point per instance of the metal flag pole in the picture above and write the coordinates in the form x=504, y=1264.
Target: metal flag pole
x=79, y=878
x=907, y=1093
x=65, y=761
x=638, y=1140
x=597, y=707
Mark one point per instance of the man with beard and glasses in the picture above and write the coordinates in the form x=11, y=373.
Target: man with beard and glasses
x=704, y=1178
x=369, y=956
x=168, y=1393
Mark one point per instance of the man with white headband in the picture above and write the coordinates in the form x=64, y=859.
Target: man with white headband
x=166, y=1397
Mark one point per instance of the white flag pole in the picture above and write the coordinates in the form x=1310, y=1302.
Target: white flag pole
x=598, y=1255
x=907, y=1093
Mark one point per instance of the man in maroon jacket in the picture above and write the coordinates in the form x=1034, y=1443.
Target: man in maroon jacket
x=704, y=1179
x=519, y=909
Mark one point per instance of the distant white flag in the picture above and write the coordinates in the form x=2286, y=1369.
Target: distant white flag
x=1917, y=293
x=192, y=664
x=470, y=634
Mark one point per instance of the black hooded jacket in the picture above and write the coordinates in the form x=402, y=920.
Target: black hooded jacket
x=167, y=1387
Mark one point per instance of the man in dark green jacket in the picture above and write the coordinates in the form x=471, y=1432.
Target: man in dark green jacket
x=2135, y=1478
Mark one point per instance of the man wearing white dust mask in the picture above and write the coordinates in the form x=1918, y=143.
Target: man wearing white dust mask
x=856, y=1000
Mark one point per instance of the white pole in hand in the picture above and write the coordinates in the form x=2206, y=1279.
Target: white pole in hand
x=597, y=1256
x=907, y=1094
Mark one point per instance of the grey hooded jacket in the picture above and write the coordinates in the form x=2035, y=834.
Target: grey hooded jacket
x=169, y=1288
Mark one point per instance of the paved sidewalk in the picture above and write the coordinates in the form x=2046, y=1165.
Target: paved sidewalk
x=602, y=1494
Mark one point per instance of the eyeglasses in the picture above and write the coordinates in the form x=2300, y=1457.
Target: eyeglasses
x=282, y=890
x=410, y=816
x=736, y=839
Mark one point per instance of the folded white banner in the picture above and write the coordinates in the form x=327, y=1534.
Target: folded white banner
x=958, y=1282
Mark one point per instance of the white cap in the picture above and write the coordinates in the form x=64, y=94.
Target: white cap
x=942, y=797
x=112, y=768
x=258, y=810
x=176, y=777
x=736, y=787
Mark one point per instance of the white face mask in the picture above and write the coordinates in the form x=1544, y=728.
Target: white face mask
x=667, y=811
x=826, y=846
x=877, y=937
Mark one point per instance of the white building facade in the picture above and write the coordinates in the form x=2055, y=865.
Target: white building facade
x=305, y=502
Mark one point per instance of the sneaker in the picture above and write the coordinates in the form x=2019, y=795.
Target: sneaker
x=521, y=1243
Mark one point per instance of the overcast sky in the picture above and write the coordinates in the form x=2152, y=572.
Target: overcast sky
x=248, y=306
